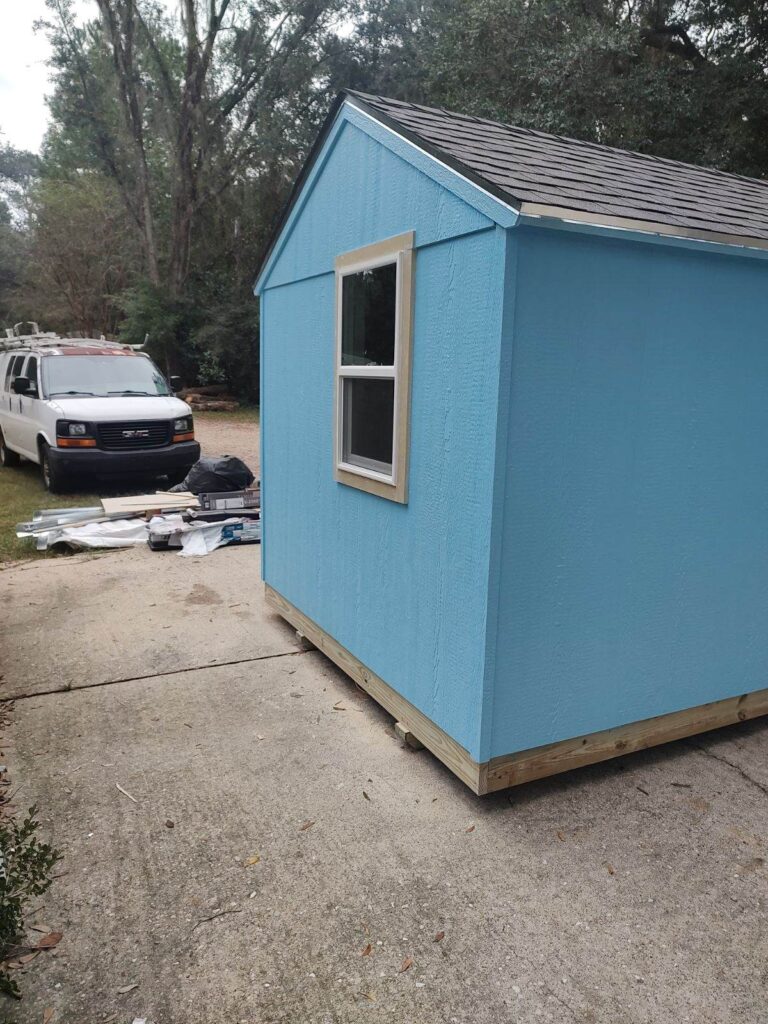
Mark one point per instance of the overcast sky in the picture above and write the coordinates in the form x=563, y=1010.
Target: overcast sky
x=23, y=74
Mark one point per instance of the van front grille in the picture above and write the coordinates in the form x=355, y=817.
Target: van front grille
x=142, y=434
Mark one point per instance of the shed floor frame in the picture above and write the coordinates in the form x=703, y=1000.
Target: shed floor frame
x=538, y=762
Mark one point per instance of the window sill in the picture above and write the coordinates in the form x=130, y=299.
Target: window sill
x=372, y=483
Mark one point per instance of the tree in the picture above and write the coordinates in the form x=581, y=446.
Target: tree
x=81, y=255
x=684, y=79
x=17, y=169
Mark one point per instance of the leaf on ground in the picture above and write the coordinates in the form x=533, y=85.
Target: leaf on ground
x=255, y=859
x=44, y=928
x=470, y=829
x=366, y=795
x=48, y=1015
x=439, y=937
x=127, y=988
x=306, y=825
x=370, y=996
x=367, y=951
x=338, y=706
x=406, y=965
x=50, y=940
x=610, y=868
x=29, y=957
x=561, y=836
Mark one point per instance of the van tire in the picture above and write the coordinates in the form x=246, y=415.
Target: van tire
x=53, y=478
x=7, y=457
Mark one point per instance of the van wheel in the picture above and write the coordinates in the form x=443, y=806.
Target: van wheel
x=53, y=478
x=7, y=457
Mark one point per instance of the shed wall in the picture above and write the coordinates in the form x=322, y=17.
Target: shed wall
x=634, y=548
x=403, y=587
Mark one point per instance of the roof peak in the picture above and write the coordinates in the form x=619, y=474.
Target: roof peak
x=546, y=175
x=568, y=139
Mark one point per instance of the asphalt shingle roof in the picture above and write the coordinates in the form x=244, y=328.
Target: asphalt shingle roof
x=523, y=166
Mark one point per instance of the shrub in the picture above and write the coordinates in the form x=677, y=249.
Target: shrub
x=25, y=871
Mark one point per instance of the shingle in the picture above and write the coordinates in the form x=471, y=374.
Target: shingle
x=525, y=165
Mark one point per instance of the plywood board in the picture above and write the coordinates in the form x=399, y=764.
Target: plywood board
x=136, y=503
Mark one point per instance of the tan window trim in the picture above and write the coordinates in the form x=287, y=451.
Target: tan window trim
x=397, y=249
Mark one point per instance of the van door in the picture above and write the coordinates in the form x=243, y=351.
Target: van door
x=12, y=405
x=29, y=410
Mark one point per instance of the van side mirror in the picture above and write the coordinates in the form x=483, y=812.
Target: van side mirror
x=175, y=383
x=21, y=385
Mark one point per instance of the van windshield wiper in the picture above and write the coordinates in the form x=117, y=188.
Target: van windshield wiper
x=129, y=391
x=88, y=394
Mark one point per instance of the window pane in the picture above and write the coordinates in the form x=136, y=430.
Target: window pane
x=368, y=317
x=368, y=422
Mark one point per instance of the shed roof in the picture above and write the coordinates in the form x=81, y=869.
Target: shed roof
x=552, y=175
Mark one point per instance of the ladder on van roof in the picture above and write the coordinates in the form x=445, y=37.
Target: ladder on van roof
x=37, y=339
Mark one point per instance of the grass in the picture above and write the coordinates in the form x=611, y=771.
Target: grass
x=21, y=494
x=245, y=414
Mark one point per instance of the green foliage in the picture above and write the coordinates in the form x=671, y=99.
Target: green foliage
x=174, y=198
x=25, y=871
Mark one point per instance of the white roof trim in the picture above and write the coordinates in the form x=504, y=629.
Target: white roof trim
x=560, y=213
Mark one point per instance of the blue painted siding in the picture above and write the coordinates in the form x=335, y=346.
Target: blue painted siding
x=365, y=192
x=403, y=587
x=634, y=547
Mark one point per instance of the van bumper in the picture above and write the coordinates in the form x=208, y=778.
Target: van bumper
x=173, y=460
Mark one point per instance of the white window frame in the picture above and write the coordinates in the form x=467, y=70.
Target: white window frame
x=373, y=478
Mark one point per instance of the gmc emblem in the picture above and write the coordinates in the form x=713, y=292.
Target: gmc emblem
x=135, y=433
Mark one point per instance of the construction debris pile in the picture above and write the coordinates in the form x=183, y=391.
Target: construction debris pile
x=190, y=523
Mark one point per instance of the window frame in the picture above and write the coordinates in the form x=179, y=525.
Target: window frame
x=399, y=251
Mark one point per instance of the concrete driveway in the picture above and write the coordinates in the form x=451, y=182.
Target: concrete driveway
x=312, y=857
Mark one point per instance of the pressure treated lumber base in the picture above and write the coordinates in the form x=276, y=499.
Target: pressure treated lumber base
x=538, y=762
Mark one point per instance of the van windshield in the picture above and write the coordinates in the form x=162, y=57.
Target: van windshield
x=102, y=376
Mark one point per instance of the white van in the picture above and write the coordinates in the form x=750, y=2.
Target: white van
x=90, y=408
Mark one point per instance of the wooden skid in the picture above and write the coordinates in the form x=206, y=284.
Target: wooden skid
x=538, y=762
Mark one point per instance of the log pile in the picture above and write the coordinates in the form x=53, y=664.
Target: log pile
x=210, y=398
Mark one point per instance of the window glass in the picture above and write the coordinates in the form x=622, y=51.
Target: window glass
x=368, y=317
x=368, y=416
x=102, y=375
x=30, y=370
x=14, y=369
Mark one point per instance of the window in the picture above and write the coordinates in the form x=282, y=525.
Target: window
x=14, y=370
x=30, y=371
x=373, y=366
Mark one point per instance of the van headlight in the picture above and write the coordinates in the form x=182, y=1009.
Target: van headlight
x=78, y=429
x=183, y=429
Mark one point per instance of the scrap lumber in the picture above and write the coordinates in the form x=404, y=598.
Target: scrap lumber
x=135, y=504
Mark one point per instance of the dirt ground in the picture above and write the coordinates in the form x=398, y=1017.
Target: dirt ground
x=221, y=435
x=285, y=859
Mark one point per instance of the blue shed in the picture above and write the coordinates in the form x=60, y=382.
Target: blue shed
x=515, y=436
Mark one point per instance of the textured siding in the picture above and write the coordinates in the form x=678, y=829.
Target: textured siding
x=404, y=588
x=365, y=192
x=634, y=546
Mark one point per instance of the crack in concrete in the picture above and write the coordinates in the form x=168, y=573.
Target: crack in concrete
x=731, y=764
x=153, y=675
